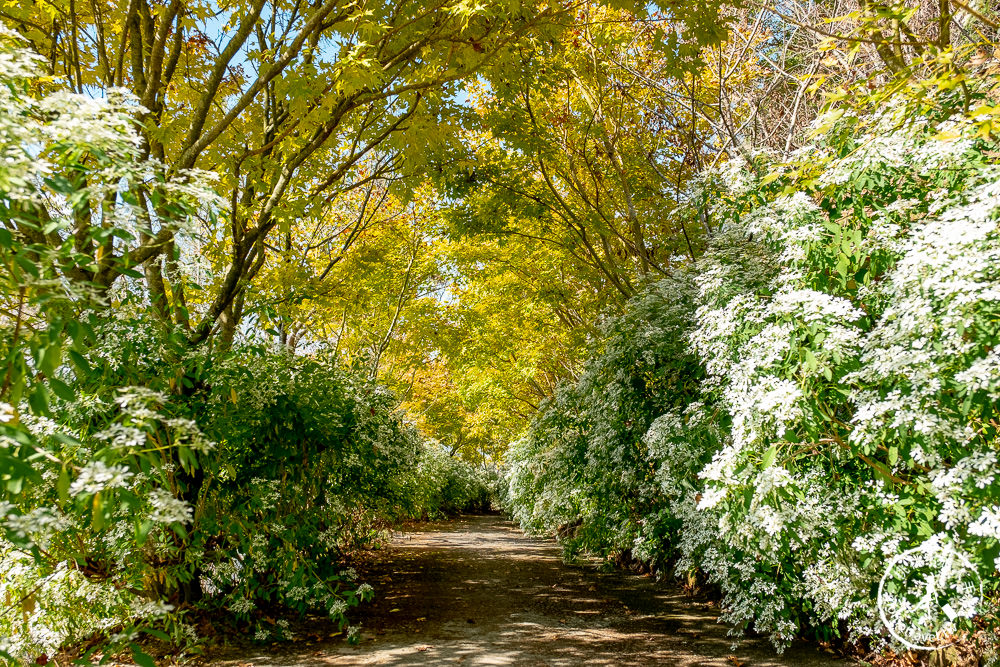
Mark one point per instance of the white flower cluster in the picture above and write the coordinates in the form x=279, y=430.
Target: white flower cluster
x=58, y=605
x=96, y=476
x=242, y=605
x=167, y=508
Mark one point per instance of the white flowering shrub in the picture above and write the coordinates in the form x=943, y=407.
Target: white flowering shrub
x=855, y=380
x=836, y=469
x=585, y=470
x=80, y=540
x=255, y=485
x=312, y=462
x=445, y=485
x=82, y=503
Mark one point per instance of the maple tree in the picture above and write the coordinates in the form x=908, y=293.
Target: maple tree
x=282, y=101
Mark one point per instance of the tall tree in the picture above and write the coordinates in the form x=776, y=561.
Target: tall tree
x=283, y=100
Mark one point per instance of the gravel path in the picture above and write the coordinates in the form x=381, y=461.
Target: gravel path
x=477, y=591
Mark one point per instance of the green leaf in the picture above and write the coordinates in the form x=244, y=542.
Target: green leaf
x=881, y=471
x=773, y=176
x=62, y=485
x=141, y=658
x=61, y=389
x=27, y=265
x=38, y=399
x=131, y=273
x=810, y=358
x=843, y=264
x=67, y=440
x=97, y=513
x=159, y=634
x=769, y=456
x=79, y=361
x=142, y=531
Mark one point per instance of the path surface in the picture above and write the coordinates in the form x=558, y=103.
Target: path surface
x=477, y=591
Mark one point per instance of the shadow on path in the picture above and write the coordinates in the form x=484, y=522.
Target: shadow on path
x=477, y=591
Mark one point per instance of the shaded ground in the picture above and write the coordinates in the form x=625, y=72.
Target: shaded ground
x=477, y=591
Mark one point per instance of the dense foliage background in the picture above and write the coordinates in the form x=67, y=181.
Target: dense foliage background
x=708, y=289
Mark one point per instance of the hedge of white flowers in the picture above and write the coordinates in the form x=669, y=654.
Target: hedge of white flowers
x=830, y=373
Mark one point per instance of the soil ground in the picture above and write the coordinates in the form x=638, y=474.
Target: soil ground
x=477, y=591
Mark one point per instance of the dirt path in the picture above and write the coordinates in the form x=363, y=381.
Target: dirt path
x=477, y=591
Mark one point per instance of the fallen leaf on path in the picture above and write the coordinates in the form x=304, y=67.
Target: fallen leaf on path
x=423, y=648
x=736, y=662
